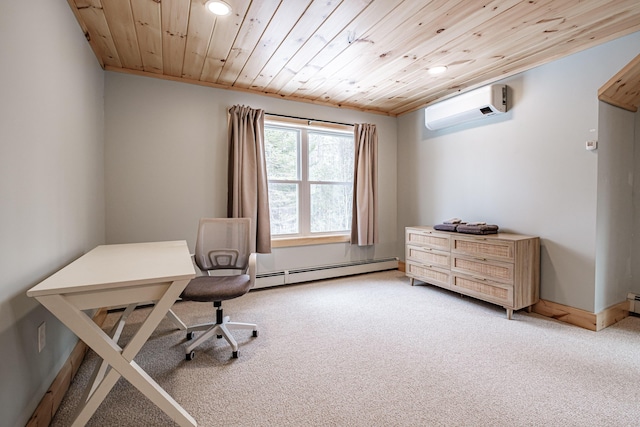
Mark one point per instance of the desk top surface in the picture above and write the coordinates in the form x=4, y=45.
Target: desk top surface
x=120, y=266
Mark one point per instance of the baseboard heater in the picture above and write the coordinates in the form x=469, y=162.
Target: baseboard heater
x=634, y=303
x=276, y=278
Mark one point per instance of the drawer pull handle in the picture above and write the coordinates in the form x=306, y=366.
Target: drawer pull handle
x=479, y=278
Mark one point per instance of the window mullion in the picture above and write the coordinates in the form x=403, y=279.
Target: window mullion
x=305, y=197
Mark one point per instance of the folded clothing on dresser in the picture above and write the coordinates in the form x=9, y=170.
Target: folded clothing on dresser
x=452, y=221
x=446, y=227
x=477, y=229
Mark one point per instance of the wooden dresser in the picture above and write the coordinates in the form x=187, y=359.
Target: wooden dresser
x=501, y=268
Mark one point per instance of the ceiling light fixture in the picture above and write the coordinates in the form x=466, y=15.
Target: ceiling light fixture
x=437, y=70
x=219, y=8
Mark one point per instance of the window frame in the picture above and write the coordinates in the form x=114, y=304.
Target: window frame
x=305, y=236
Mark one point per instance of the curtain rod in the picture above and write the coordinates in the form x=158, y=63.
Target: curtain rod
x=308, y=120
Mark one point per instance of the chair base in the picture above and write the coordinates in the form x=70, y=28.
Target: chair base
x=222, y=329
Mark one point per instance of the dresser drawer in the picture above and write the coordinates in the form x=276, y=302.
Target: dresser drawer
x=431, y=275
x=484, y=247
x=501, y=268
x=428, y=256
x=492, y=270
x=434, y=240
x=486, y=290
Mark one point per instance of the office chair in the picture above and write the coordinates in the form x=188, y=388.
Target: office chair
x=222, y=247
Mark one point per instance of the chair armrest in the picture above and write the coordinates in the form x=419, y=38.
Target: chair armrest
x=195, y=266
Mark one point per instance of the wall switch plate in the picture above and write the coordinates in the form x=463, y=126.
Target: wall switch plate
x=42, y=339
x=592, y=145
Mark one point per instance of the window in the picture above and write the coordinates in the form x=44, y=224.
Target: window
x=310, y=172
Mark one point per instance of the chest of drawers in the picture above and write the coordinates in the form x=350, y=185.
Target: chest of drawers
x=501, y=268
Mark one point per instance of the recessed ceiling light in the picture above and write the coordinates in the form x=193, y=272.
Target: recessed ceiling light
x=219, y=8
x=437, y=70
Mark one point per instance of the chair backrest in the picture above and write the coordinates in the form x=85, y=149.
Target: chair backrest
x=223, y=244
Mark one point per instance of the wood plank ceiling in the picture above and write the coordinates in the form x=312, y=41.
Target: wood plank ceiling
x=370, y=55
x=623, y=89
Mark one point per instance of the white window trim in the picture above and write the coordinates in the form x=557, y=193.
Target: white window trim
x=304, y=125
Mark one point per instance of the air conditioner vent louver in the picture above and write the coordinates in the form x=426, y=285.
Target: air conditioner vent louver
x=484, y=102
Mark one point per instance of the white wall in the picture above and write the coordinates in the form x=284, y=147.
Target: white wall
x=615, y=206
x=51, y=185
x=635, y=251
x=527, y=171
x=166, y=157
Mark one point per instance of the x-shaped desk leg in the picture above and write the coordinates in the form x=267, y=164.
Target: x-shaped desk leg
x=101, y=370
x=121, y=360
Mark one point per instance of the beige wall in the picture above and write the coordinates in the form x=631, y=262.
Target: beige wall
x=166, y=157
x=51, y=185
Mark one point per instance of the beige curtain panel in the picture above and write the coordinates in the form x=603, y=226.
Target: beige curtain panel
x=364, y=223
x=248, y=195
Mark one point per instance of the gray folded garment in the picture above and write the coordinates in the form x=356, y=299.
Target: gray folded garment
x=446, y=227
x=452, y=221
x=477, y=229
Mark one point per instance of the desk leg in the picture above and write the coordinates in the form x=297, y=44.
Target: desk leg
x=115, y=333
x=92, y=400
x=101, y=370
x=121, y=360
x=176, y=320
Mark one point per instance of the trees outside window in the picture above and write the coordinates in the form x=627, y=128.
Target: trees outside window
x=310, y=174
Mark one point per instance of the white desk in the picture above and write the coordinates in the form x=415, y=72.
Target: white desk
x=116, y=275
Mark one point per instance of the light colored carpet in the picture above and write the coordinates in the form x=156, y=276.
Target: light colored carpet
x=371, y=350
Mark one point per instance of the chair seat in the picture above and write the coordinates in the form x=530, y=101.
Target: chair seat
x=216, y=288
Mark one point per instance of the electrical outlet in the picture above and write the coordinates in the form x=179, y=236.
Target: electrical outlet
x=42, y=336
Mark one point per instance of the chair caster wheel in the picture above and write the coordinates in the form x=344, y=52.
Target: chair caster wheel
x=189, y=336
x=255, y=334
x=190, y=356
x=234, y=355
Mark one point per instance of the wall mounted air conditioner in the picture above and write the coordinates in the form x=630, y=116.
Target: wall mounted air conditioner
x=484, y=102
